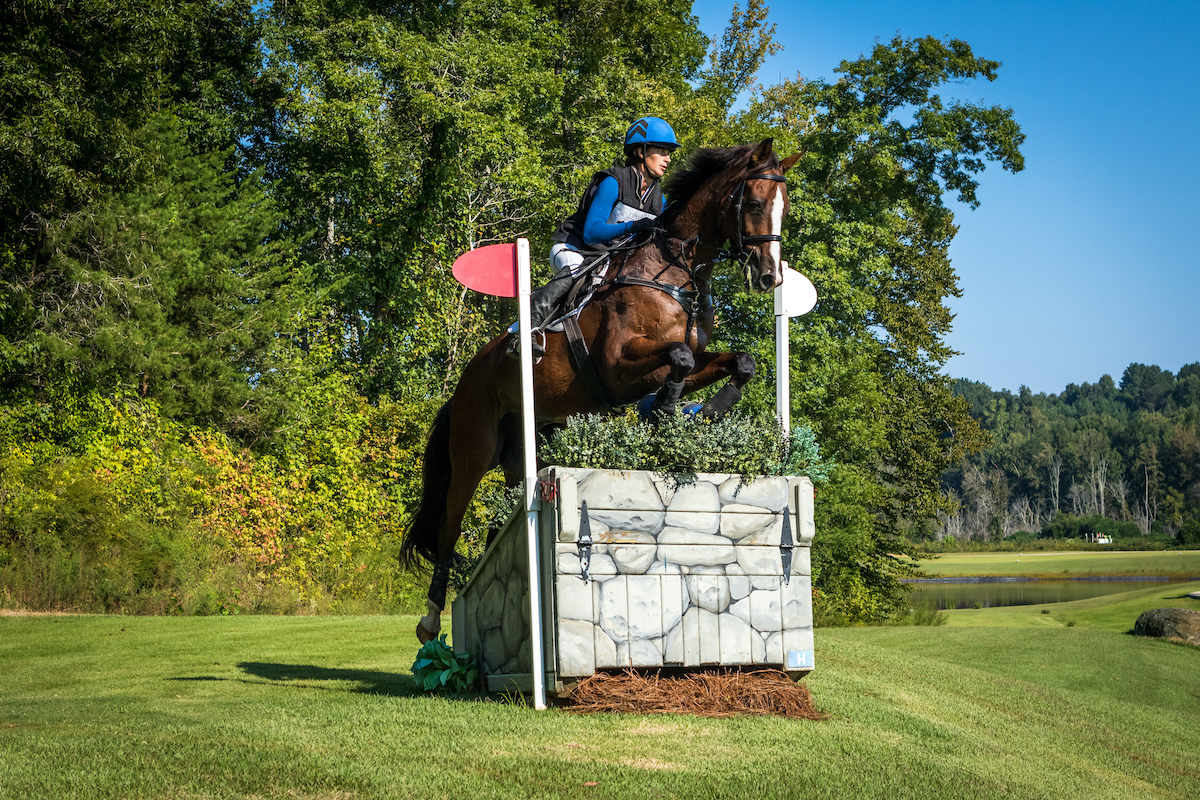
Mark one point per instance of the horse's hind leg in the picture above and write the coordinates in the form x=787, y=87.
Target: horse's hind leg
x=475, y=443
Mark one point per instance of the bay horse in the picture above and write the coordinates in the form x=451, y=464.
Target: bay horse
x=646, y=330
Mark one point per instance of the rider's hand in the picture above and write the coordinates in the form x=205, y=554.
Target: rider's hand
x=642, y=225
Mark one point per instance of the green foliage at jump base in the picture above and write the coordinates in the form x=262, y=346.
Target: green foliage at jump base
x=438, y=668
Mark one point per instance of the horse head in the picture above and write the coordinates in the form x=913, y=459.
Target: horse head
x=753, y=214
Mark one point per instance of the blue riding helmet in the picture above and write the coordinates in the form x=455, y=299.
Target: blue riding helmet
x=652, y=131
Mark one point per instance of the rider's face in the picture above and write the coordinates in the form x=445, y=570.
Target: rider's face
x=656, y=161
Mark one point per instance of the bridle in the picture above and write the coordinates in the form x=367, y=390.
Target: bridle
x=738, y=250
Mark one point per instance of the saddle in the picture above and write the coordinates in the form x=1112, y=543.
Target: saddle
x=565, y=319
x=583, y=288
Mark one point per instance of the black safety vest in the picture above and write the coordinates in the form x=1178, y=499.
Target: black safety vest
x=628, y=180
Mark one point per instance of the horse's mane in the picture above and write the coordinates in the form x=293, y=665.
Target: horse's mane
x=680, y=186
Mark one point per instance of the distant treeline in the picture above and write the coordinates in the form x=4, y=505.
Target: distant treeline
x=1098, y=458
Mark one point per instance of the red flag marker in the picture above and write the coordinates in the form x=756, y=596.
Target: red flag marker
x=490, y=270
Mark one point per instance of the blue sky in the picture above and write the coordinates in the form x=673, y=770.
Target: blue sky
x=1089, y=259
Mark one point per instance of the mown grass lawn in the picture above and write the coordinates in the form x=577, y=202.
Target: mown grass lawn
x=323, y=707
x=1168, y=563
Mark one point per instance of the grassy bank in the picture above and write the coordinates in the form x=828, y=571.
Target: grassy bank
x=100, y=707
x=1168, y=563
x=1112, y=612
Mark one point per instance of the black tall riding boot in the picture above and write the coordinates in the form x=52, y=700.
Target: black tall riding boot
x=543, y=301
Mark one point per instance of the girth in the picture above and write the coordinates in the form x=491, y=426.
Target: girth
x=581, y=359
x=693, y=303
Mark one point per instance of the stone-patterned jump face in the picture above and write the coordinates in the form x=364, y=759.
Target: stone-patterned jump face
x=494, y=619
x=682, y=574
x=676, y=574
x=631, y=501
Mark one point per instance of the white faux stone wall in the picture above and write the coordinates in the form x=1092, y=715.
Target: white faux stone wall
x=685, y=575
x=491, y=615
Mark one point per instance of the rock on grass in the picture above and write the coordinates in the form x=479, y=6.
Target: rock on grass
x=1169, y=623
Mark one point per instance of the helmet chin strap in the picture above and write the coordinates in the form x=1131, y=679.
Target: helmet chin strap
x=642, y=168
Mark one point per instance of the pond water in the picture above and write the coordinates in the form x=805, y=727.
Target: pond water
x=992, y=592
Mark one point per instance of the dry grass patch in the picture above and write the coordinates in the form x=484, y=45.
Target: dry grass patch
x=655, y=728
x=648, y=763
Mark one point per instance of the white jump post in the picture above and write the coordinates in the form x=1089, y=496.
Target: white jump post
x=783, y=387
x=502, y=270
x=794, y=296
x=531, y=479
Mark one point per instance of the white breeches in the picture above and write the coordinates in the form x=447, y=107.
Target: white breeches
x=562, y=256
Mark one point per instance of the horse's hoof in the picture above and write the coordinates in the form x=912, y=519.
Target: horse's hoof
x=423, y=635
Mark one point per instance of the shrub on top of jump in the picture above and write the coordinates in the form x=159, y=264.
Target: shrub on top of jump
x=680, y=445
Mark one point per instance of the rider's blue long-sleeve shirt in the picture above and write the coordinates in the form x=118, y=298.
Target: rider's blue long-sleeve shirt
x=597, y=228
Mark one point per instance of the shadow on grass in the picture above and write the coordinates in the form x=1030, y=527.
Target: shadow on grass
x=389, y=684
x=308, y=676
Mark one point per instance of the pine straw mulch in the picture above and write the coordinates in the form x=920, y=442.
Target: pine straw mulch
x=767, y=692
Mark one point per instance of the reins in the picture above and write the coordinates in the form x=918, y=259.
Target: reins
x=694, y=301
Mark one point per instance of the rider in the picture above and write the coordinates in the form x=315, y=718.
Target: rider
x=619, y=201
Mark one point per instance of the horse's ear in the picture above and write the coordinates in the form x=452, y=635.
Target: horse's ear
x=762, y=153
x=789, y=162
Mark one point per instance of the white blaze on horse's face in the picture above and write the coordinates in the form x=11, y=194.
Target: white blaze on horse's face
x=776, y=230
x=768, y=269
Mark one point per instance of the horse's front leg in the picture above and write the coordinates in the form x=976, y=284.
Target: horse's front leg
x=643, y=355
x=712, y=367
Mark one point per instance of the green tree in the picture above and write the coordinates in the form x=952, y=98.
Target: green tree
x=76, y=79
x=735, y=60
x=1147, y=387
x=1186, y=391
x=178, y=289
x=407, y=135
x=1130, y=453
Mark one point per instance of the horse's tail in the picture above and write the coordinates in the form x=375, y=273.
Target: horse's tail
x=421, y=538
